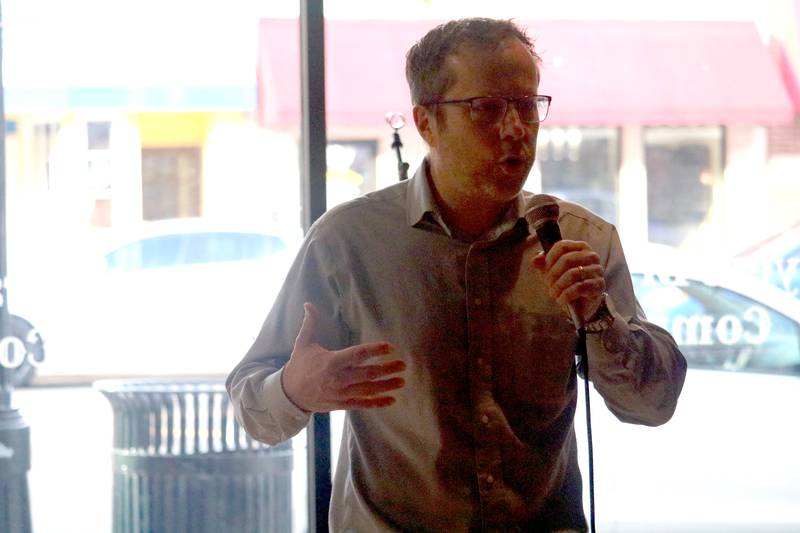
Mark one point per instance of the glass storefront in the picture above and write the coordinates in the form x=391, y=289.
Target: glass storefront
x=153, y=198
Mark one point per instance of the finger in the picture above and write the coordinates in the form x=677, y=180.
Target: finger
x=578, y=276
x=369, y=403
x=355, y=355
x=358, y=374
x=572, y=260
x=308, y=329
x=561, y=248
x=539, y=262
x=575, y=275
x=589, y=289
x=374, y=388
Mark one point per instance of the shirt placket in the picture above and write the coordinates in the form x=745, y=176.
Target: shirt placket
x=483, y=408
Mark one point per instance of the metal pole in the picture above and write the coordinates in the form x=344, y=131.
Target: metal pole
x=15, y=441
x=5, y=324
x=314, y=136
x=396, y=120
x=314, y=167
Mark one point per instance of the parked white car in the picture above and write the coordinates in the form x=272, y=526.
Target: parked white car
x=173, y=297
x=776, y=259
x=728, y=460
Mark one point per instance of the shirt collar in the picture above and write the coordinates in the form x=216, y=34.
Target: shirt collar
x=420, y=201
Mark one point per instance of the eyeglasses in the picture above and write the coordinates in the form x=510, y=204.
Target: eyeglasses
x=490, y=110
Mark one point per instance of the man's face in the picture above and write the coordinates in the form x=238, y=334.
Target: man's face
x=482, y=162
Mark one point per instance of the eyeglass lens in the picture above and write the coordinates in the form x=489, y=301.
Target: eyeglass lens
x=492, y=110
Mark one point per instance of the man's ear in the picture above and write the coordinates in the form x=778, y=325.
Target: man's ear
x=425, y=122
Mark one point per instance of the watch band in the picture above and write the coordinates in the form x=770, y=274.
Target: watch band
x=602, y=319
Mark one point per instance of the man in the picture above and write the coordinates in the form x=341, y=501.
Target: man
x=428, y=311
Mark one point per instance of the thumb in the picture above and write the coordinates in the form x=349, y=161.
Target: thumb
x=308, y=329
x=539, y=261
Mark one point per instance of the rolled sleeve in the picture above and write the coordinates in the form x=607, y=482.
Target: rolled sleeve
x=264, y=410
x=635, y=365
x=254, y=385
x=638, y=369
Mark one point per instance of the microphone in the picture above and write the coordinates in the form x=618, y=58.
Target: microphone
x=543, y=220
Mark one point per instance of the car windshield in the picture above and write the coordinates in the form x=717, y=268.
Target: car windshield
x=192, y=248
x=717, y=328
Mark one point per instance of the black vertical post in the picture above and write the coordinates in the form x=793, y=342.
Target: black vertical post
x=15, y=442
x=5, y=325
x=314, y=166
x=314, y=136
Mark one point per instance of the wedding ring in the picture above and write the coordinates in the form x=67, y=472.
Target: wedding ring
x=581, y=272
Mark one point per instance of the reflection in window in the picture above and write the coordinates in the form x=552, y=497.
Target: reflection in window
x=683, y=164
x=193, y=248
x=581, y=165
x=170, y=183
x=717, y=328
x=98, y=135
x=351, y=170
x=42, y=142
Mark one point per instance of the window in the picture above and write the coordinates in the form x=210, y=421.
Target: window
x=581, y=165
x=683, y=166
x=718, y=328
x=351, y=170
x=171, y=181
x=115, y=127
x=98, y=135
x=192, y=248
x=44, y=135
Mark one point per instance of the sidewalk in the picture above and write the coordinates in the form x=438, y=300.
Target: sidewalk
x=71, y=443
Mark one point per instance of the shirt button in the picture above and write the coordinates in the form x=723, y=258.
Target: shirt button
x=478, y=301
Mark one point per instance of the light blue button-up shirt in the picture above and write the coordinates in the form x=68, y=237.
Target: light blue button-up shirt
x=481, y=437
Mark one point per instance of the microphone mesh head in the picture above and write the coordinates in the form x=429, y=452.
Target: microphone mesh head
x=545, y=208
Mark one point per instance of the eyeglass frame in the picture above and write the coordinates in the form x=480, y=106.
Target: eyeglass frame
x=506, y=100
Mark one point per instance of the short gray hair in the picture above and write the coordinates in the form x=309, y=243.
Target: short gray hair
x=428, y=77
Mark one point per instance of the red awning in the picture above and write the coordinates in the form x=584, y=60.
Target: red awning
x=600, y=73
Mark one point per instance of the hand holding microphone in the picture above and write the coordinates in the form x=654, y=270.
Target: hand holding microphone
x=571, y=269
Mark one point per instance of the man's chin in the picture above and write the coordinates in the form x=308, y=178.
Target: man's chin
x=512, y=175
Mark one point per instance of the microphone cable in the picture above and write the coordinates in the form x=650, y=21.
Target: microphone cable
x=583, y=364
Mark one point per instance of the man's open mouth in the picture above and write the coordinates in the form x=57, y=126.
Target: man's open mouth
x=512, y=161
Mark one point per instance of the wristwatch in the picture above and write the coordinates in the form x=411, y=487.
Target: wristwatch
x=602, y=318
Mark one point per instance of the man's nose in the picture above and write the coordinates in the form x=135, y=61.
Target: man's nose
x=512, y=126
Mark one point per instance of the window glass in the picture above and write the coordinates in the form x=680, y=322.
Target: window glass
x=171, y=180
x=174, y=250
x=151, y=218
x=351, y=169
x=154, y=112
x=720, y=329
x=683, y=166
x=581, y=165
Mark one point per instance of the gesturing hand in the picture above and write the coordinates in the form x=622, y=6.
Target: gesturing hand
x=574, y=275
x=320, y=380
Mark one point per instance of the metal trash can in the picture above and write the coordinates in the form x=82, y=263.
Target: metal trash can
x=182, y=463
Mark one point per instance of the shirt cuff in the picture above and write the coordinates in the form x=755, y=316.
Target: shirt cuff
x=274, y=400
x=611, y=348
